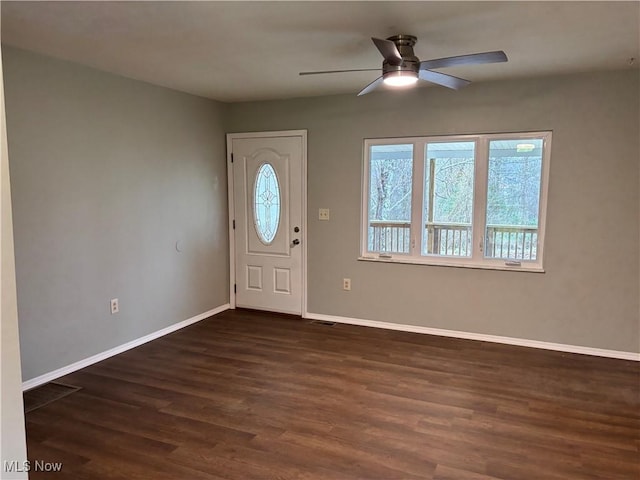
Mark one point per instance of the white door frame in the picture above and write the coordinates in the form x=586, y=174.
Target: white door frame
x=232, y=249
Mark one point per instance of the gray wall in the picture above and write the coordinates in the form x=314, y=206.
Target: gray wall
x=107, y=174
x=589, y=293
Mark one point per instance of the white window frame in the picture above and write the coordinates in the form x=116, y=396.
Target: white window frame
x=477, y=259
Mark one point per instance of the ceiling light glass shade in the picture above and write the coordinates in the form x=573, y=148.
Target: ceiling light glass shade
x=400, y=79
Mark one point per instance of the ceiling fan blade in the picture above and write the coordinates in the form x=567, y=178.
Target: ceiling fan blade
x=472, y=59
x=443, y=79
x=341, y=71
x=388, y=50
x=372, y=86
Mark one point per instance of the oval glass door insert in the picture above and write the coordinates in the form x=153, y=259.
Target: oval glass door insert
x=266, y=203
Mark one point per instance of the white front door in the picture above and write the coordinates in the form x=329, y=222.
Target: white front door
x=267, y=208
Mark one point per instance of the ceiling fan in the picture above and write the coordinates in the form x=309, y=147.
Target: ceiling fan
x=402, y=68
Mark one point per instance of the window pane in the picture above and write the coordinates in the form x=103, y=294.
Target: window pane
x=513, y=199
x=448, y=198
x=266, y=204
x=390, y=174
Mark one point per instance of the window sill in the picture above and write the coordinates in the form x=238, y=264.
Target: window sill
x=415, y=261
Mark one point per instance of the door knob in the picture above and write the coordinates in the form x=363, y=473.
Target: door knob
x=296, y=241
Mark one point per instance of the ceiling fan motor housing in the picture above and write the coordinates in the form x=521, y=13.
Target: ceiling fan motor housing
x=410, y=63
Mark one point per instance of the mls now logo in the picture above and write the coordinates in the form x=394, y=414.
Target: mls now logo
x=15, y=466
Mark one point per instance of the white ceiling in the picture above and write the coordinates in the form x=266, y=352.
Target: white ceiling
x=239, y=51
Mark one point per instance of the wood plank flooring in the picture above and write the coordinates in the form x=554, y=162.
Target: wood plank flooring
x=248, y=395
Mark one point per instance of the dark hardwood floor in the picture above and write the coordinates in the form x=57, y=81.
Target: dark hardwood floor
x=252, y=395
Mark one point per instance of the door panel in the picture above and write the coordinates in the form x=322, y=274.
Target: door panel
x=267, y=183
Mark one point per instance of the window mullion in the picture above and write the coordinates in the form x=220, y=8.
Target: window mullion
x=479, y=199
x=417, y=195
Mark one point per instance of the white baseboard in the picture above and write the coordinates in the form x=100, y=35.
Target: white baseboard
x=60, y=372
x=599, y=352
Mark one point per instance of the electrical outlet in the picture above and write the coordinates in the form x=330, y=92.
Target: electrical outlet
x=115, y=306
x=346, y=284
x=323, y=214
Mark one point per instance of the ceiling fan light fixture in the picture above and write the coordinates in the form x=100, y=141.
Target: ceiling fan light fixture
x=400, y=78
x=401, y=68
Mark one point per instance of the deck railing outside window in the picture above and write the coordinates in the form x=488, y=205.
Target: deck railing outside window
x=511, y=241
x=454, y=239
x=389, y=237
x=451, y=239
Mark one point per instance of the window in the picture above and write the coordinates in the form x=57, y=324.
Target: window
x=391, y=170
x=470, y=200
x=266, y=204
